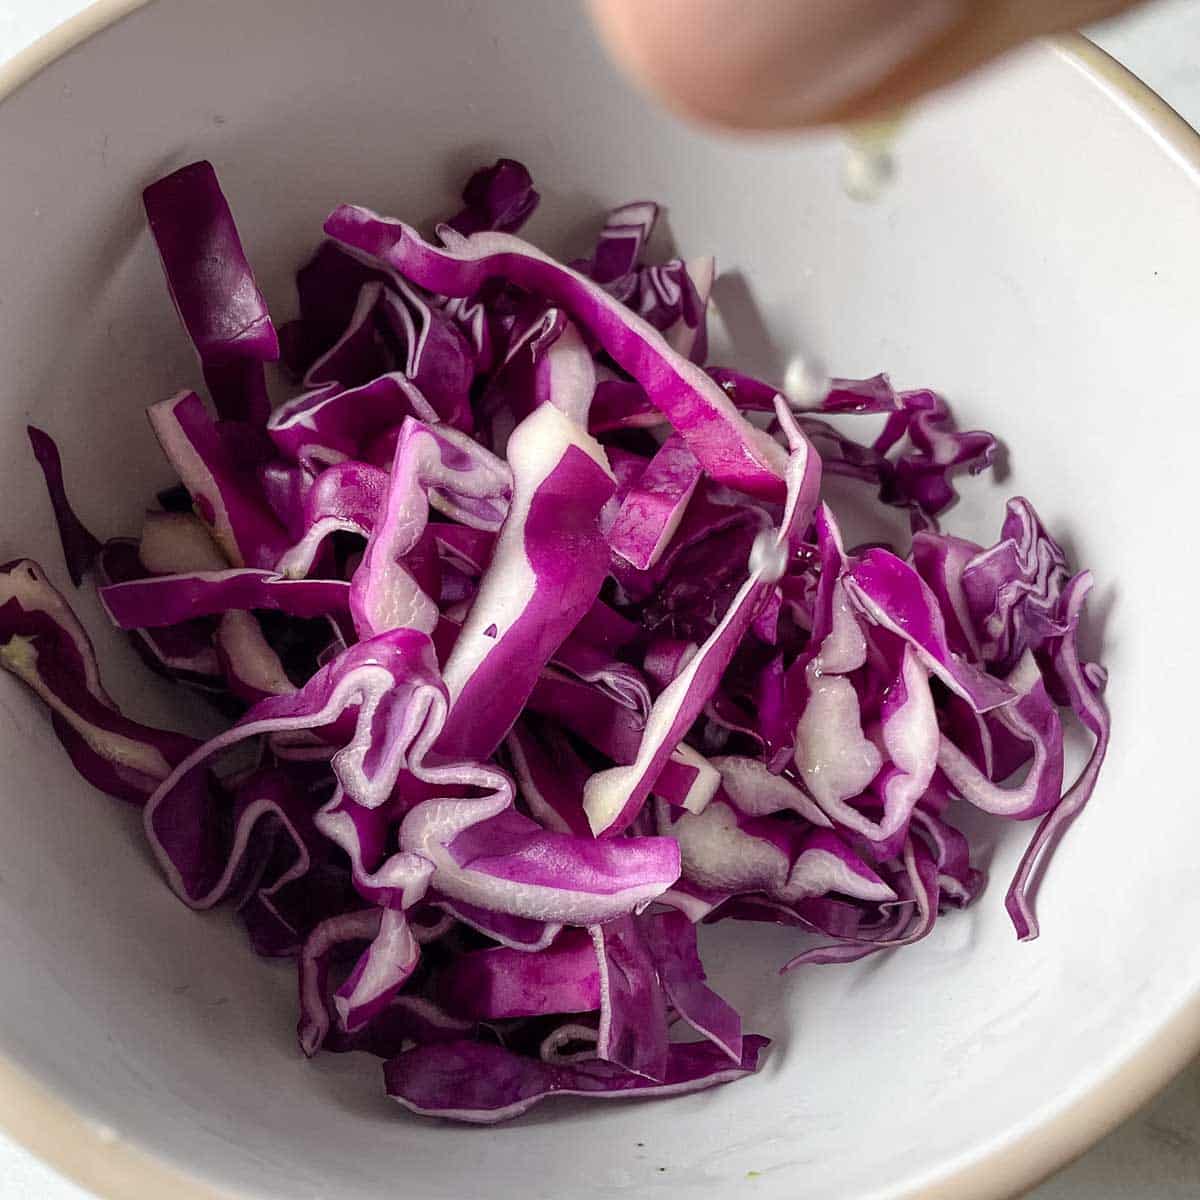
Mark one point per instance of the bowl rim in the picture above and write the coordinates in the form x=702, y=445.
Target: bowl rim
x=99, y=1159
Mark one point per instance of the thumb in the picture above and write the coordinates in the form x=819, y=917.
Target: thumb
x=779, y=64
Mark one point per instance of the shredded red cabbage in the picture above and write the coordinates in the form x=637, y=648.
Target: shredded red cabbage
x=548, y=653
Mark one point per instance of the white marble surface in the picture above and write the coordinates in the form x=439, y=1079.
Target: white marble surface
x=1155, y=1156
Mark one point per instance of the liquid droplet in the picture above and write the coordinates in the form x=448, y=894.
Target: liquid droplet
x=870, y=163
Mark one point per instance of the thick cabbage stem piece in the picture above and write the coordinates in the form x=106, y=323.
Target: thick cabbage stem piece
x=80, y=545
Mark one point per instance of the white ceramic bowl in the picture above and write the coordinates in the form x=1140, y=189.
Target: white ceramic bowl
x=1037, y=261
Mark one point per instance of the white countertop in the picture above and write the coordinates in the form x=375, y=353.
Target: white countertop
x=1155, y=1156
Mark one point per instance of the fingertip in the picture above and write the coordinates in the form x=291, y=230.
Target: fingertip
x=766, y=64
x=784, y=64
x=669, y=48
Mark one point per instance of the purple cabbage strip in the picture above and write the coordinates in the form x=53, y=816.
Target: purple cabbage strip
x=359, y=354
x=671, y=938
x=615, y=729
x=620, y=680
x=652, y=509
x=1083, y=684
x=693, y=900
x=688, y=334
x=756, y=791
x=913, y=919
x=843, y=396
x=837, y=761
x=613, y=798
x=571, y=1042
x=332, y=423
x=213, y=288
x=550, y=776
x=170, y=599
x=666, y=657
x=212, y=833
x=329, y=290
x=428, y=468
x=909, y=733
x=721, y=849
x=921, y=475
x=482, y=1084
x=407, y=1019
x=185, y=652
x=225, y=494
x=389, y=955
x=283, y=487
x=1014, y=590
x=619, y=247
x=545, y=573
x=621, y=404
x=319, y=948
x=346, y=498
x=508, y=863
x=958, y=881
x=80, y=545
x=252, y=669
x=1033, y=719
x=374, y=322
x=550, y=364
x=45, y=647
x=918, y=476
x=435, y=353
x=892, y=595
x=671, y=296
x=384, y=967
x=376, y=700
x=940, y=560
x=518, y=933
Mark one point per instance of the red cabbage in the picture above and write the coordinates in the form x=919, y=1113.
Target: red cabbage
x=545, y=573
x=537, y=654
x=185, y=652
x=652, y=509
x=213, y=288
x=633, y=1004
x=225, y=494
x=481, y=1083
x=170, y=599
x=732, y=450
x=43, y=645
x=671, y=938
x=503, y=982
x=500, y=197
x=80, y=545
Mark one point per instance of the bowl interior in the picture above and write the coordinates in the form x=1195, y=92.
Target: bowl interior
x=1035, y=262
